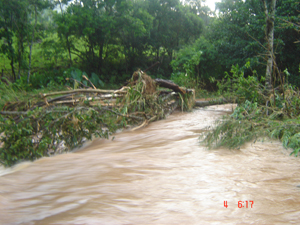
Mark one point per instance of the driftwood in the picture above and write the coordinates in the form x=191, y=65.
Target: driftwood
x=46, y=102
x=12, y=113
x=213, y=102
x=83, y=91
x=169, y=84
x=89, y=81
x=78, y=82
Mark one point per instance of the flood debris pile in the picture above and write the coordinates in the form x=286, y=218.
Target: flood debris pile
x=59, y=121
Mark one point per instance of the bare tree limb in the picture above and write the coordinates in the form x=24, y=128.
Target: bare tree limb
x=82, y=90
x=12, y=113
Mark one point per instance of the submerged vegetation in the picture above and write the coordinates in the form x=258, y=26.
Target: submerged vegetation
x=259, y=114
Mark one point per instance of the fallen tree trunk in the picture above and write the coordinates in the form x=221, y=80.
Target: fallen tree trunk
x=213, y=102
x=169, y=84
x=83, y=90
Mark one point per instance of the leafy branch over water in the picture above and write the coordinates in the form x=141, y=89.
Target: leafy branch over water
x=257, y=115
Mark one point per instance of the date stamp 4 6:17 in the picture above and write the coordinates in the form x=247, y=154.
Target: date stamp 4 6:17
x=242, y=204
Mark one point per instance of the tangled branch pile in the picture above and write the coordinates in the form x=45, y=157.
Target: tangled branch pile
x=30, y=130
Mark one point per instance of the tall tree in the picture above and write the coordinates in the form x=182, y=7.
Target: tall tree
x=31, y=39
x=19, y=23
x=91, y=22
x=64, y=31
x=287, y=36
x=10, y=14
x=269, y=9
x=240, y=34
x=174, y=25
x=134, y=24
x=33, y=10
x=237, y=33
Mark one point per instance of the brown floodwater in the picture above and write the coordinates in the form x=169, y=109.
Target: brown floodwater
x=156, y=175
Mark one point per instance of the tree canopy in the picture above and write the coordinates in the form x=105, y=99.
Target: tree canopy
x=112, y=38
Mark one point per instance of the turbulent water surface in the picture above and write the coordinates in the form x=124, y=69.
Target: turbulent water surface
x=156, y=175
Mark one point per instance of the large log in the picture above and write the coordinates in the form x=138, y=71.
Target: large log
x=213, y=102
x=169, y=84
x=83, y=91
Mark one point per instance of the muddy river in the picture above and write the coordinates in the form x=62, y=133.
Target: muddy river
x=156, y=175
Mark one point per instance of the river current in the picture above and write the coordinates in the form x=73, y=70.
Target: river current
x=159, y=174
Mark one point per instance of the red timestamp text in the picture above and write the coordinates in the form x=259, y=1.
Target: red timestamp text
x=242, y=204
x=245, y=204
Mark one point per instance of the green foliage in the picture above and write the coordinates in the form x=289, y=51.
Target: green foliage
x=43, y=132
x=9, y=92
x=249, y=122
x=241, y=87
x=52, y=52
x=114, y=38
x=78, y=77
x=20, y=27
x=59, y=78
x=188, y=61
x=258, y=115
x=96, y=80
x=238, y=35
x=131, y=34
x=182, y=79
x=288, y=32
x=195, y=64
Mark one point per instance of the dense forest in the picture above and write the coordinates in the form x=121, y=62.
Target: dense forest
x=42, y=41
x=247, y=52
